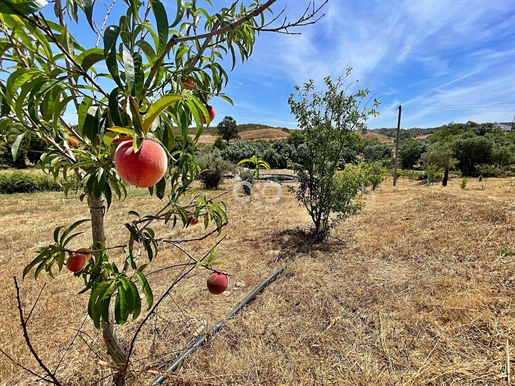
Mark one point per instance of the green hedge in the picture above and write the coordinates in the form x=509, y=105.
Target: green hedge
x=22, y=182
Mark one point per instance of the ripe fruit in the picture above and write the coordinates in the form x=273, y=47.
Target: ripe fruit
x=211, y=111
x=189, y=84
x=76, y=262
x=72, y=141
x=193, y=220
x=143, y=168
x=217, y=282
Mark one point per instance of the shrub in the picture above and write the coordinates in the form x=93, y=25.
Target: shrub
x=240, y=150
x=21, y=182
x=220, y=144
x=214, y=167
x=374, y=173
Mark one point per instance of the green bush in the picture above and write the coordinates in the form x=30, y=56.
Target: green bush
x=21, y=182
x=214, y=167
x=374, y=174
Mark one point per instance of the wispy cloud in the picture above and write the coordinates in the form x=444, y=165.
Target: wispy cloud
x=424, y=53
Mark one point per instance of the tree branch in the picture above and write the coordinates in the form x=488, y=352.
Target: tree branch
x=27, y=338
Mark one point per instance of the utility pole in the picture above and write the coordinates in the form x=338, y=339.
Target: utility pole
x=397, y=147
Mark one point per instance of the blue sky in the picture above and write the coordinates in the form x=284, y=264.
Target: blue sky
x=442, y=60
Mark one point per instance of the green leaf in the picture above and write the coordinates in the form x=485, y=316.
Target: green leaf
x=15, y=149
x=128, y=64
x=162, y=23
x=24, y=7
x=88, y=10
x=157, y=108
x=95, y=304
x=147, y=291
x=139, y=77
x=121, y=305
x=113, y=107
x=90, y=57
x=110, y=37
x=136, y=120
x=121, y=130
x=159, y=188
x=179, y=14
x=83, y=111
x=64, y=237
x=136, y=309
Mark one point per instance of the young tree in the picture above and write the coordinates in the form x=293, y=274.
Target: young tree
x=441, y=156
x=326, y=118
x=136, y=75
x=227, y=129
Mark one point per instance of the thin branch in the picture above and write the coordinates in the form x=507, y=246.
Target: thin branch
x=70, y=345
x=177, y=279
x=176, y=39
x=23, y=367
x=305, y=20
x=55, y=381
x=200, y=238
x=35, y=303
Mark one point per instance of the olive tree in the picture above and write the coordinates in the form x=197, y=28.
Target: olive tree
x=127, y=70
x=327, y=118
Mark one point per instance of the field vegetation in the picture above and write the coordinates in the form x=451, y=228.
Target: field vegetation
x=415, y=289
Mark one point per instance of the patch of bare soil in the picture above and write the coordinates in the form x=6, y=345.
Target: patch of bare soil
x=269, y=134
x=265, y=134
x=416, y=289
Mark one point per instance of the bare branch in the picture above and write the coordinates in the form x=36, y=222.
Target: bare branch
x=307, y=18
x=23, y=321
x=23, y=367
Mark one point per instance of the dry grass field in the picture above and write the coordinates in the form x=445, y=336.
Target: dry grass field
x=416, y=289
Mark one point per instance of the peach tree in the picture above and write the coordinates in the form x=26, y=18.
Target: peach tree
x=129, y=73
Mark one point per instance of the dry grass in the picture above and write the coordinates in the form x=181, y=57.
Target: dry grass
x=413, y=290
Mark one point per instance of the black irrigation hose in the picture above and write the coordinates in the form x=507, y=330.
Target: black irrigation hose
x=202, y=339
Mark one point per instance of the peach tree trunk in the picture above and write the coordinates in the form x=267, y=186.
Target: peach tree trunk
x=115, y=348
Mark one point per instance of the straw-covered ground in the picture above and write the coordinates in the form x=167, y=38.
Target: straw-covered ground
x=416, y=289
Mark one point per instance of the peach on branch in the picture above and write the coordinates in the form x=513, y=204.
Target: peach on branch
x=217, y=282
x=76, y=262
x=142, y=168
x=211, y=111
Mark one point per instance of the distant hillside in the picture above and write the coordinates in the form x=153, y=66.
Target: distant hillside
x=249, y=133
x=414, y=133
x=371, y=134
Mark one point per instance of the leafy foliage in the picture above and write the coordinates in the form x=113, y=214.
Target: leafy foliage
x=410, y=153
x=21, y=182
x=213, y=169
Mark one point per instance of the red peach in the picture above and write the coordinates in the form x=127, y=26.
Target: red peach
x=143, y=168
x=217, y=282
x=211, y=111
x=76, y=262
